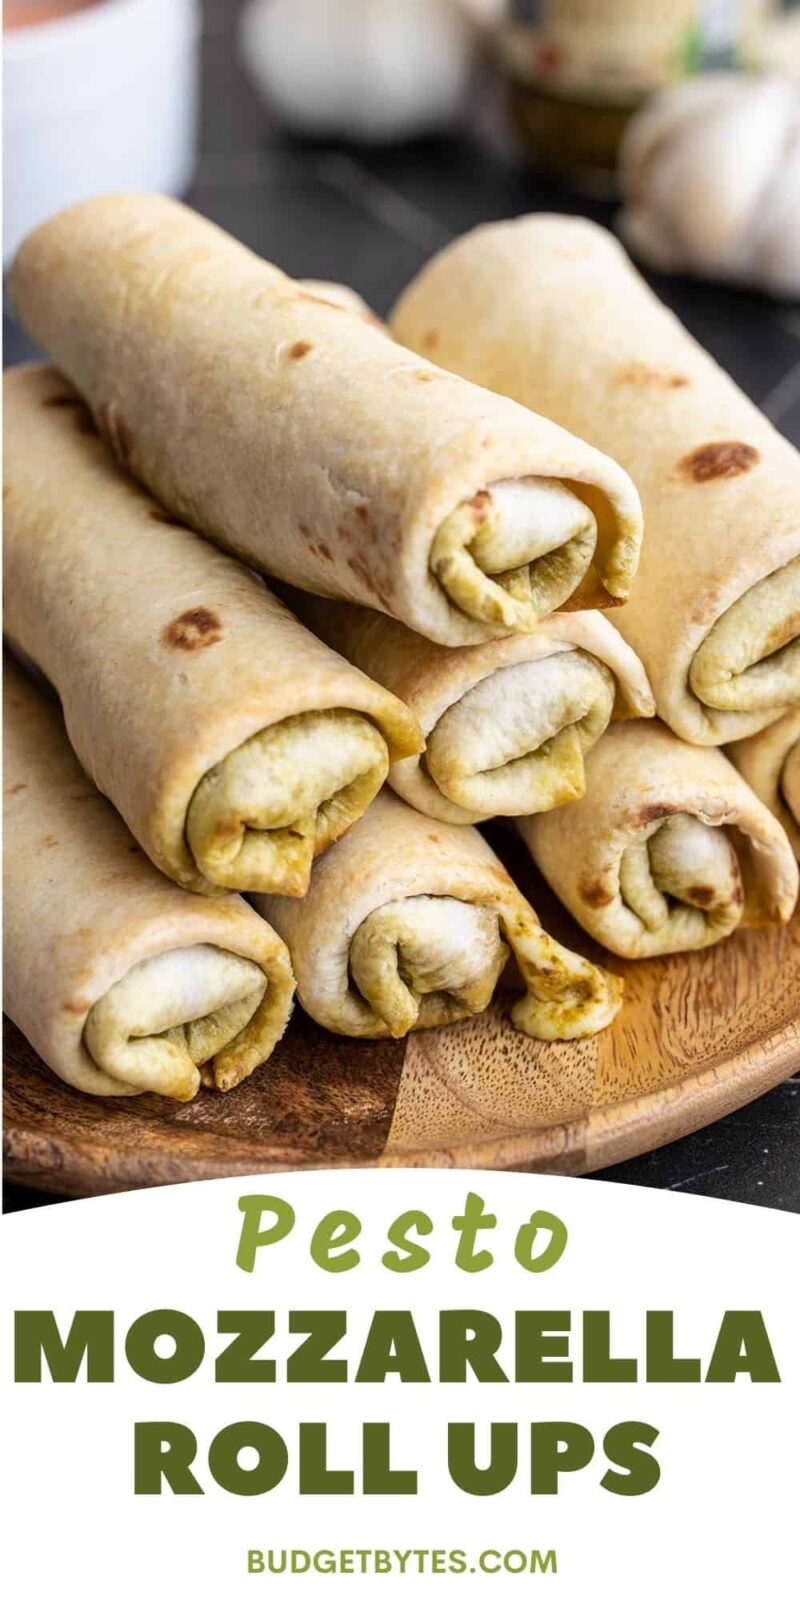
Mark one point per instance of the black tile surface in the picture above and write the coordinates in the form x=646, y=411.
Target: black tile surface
x=371, y=218
x=302, y=210
x=753, y=1155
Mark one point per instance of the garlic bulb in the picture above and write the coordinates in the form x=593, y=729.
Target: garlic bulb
x=370, y=70
x=778, y=45
x=711, y=176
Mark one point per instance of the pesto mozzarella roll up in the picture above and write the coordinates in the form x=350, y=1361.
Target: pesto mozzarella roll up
x=507, y=724
x=120, y=980
x=408, y=924
x=550, y=311
x=300, y=437
x=235, y=744
x=668, y=850
x=770, y=763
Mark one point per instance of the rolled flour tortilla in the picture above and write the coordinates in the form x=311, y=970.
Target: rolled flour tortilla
x=408, y=924
x=234, y=744
x=668, y=850
x=120, y=980
x=770, y=763
x=507, y=724
x=550, y=311
x=340, y=294
x=300, y=437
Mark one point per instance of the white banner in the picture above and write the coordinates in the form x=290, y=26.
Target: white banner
x=462, y=1380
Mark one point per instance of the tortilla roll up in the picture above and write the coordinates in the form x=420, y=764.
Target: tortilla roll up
x=507, y=724
x=770, y=763
x=297, y=435
x=408, y=925
x=234, y=744
x=120, y=980
x=668, y=850
x=550, y=311
x=341, y=295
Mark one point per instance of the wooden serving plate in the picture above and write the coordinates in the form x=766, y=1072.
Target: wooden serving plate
x=698, y=1036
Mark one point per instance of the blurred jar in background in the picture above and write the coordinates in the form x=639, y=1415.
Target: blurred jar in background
x=98, y=96
x=577, y=70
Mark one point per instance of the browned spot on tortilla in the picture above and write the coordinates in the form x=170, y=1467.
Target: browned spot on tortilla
x=707, y=609
x=193, y=630
x=300, y=349
x=324, y=551
x=158, y=514
x=361, y=570
x=596, y=894
x=433, y=838
x=55, y=400
x=424, y=377
x=722, y=458
x=49, y=841
x=362, y=511
x=7, y=492
x=76, y=1008
x=117, y=433
x=638, y=372
x=16, y=788
x=430, y=339
x=304, y=532
x=700, y=894
x=480, y=504
x=654, y=813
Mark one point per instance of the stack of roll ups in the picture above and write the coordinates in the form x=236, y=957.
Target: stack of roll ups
x=444, y=551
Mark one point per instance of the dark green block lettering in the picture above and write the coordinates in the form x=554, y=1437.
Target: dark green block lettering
x=90, y=1336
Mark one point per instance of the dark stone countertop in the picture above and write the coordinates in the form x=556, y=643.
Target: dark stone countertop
x=370, y=218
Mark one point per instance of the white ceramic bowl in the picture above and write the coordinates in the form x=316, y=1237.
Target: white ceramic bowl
x=101, y=100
